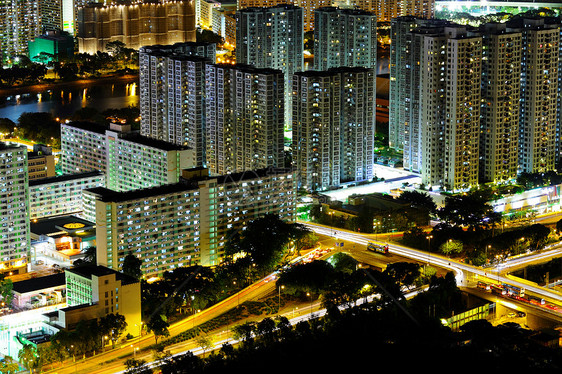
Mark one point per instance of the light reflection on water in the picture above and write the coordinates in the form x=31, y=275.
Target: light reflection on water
x=64, y=102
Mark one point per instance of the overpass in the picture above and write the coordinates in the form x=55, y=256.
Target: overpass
x=547, y=302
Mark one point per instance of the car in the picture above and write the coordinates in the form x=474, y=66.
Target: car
x=521, y=314
x=511, y=315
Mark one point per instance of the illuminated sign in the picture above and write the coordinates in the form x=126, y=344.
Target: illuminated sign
x=74, y=225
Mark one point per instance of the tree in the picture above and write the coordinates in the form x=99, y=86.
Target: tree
x=205, y=342
x=6, y=126
x=264, y=240
x=471, y=210
x=6, y=287
x=113, y=326
x=451, y=246
x=8, y=365
x=158, y=325
x=28, y=356
x=135, y=366
x=132, y=266
x=405, y=273
x=559, y=226
x=419, y=200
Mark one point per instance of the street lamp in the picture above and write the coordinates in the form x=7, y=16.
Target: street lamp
x=428, y=246
x=104, y=342
x=310, y=297
x=279, y=307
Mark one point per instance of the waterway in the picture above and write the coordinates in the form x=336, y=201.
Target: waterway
x=63, y=101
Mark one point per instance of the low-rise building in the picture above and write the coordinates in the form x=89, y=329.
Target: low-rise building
x=41, y=162
x=61, y=195
x=185, y=223
x=128, y=160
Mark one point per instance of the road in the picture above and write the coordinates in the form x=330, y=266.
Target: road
x=464, y=273
x=112, y=361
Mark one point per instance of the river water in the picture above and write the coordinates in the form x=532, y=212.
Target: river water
x=63, y=102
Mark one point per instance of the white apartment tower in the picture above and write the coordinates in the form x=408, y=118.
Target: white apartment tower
x=407, y=35
x=450, y=108
x=333, y=127
x=539, y=95
x=272, y=38
x=14, y=210
x=501, y=73
x=172, y=95
x=244, y=118
x=344, y=37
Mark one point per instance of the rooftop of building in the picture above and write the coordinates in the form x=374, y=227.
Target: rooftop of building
x=65, y=178
x=53, y=226
x=249, y=68
x=261, y=9
x=39, y=283
x=333, y=71
x=56, y=35
x=107, y=195
x=132, y=136
x=6, y=146
x=351, y=11
x=89, y=271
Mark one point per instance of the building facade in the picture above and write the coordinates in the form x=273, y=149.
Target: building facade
x=185, y=223
x=135, y=24
x=128, y=160
x=172, y=94
x=96, y=291
x=501, y=72
x=244, y=118
x=344, y=37
x=61, y=195
x=14, y=210
x=333, y=127
x=538, y=112
x=272, y=38
x=23, y=21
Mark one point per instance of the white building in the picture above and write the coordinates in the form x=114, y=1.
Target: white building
x=185, y=223
x=244, y=118
x=344, y=37
x=272, y=38
x=333, y=127
x=14, y=209
x=172, y=91
x=128, y=160
x=61, y=195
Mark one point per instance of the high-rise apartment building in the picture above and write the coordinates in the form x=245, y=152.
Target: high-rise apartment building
x=450, y=108
x=130, y=161
x=172, y=94
x=244, y=118
x=405, y=95
x=14, y=210
x=135, y=24
x=308, y=7
x=333, y=127
x=435, y=79
x=539, y=94
x=344, y=37
x=22, y=21
x=501, y=73
x=185, y=223
x=272, y=38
